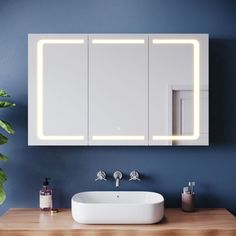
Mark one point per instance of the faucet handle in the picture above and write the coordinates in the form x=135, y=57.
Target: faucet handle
x=134, y=175
x=101, y=175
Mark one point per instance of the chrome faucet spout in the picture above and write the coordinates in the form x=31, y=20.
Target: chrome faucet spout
x=117, y=183
x=117, y=176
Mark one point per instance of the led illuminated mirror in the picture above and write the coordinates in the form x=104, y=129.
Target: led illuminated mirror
x=118, y=89
x=178, y=89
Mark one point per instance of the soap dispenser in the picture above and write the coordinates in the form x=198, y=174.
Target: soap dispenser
x=45, y=196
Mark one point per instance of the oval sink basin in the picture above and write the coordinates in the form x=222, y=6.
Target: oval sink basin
x=112, y=207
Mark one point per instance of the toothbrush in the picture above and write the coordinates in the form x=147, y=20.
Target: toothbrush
x=186, y=189
x=191, y=186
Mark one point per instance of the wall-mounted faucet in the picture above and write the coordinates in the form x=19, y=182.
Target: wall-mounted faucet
x=117, y=176
x=101, y=175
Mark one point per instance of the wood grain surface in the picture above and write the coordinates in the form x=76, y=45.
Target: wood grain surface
x=32, y=222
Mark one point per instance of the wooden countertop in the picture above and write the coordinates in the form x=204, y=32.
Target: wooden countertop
x=31, y=222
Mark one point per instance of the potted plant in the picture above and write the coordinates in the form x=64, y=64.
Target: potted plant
x=6, y=127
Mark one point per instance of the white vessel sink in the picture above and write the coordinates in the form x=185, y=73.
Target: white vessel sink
x=112, y=207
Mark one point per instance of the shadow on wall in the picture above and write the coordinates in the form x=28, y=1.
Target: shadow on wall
x=222, y=102
x=208, y=198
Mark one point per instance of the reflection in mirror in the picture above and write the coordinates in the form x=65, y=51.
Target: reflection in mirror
x=178, y=89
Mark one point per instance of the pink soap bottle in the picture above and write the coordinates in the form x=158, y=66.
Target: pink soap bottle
x=45, y=196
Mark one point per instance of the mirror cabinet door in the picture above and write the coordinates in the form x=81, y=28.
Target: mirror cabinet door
x=118, y=89
x=178, y=89
x=58, y=89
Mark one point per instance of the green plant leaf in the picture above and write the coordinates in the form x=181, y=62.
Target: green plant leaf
x=7, y=127
x=3, y=157
x=3, y=93
x=3, y=176
x=3, y=139
x=2, y=194
x=4, y=104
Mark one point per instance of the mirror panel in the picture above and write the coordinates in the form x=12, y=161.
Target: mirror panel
x=58, y=97
x=118, y=90
x=178, y=64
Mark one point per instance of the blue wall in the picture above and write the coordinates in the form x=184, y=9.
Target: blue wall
x=165, y=169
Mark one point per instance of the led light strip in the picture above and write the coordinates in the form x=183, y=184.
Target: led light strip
x=196, y=89
x=118, y=41
x=40, y=45
x=118, y=138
